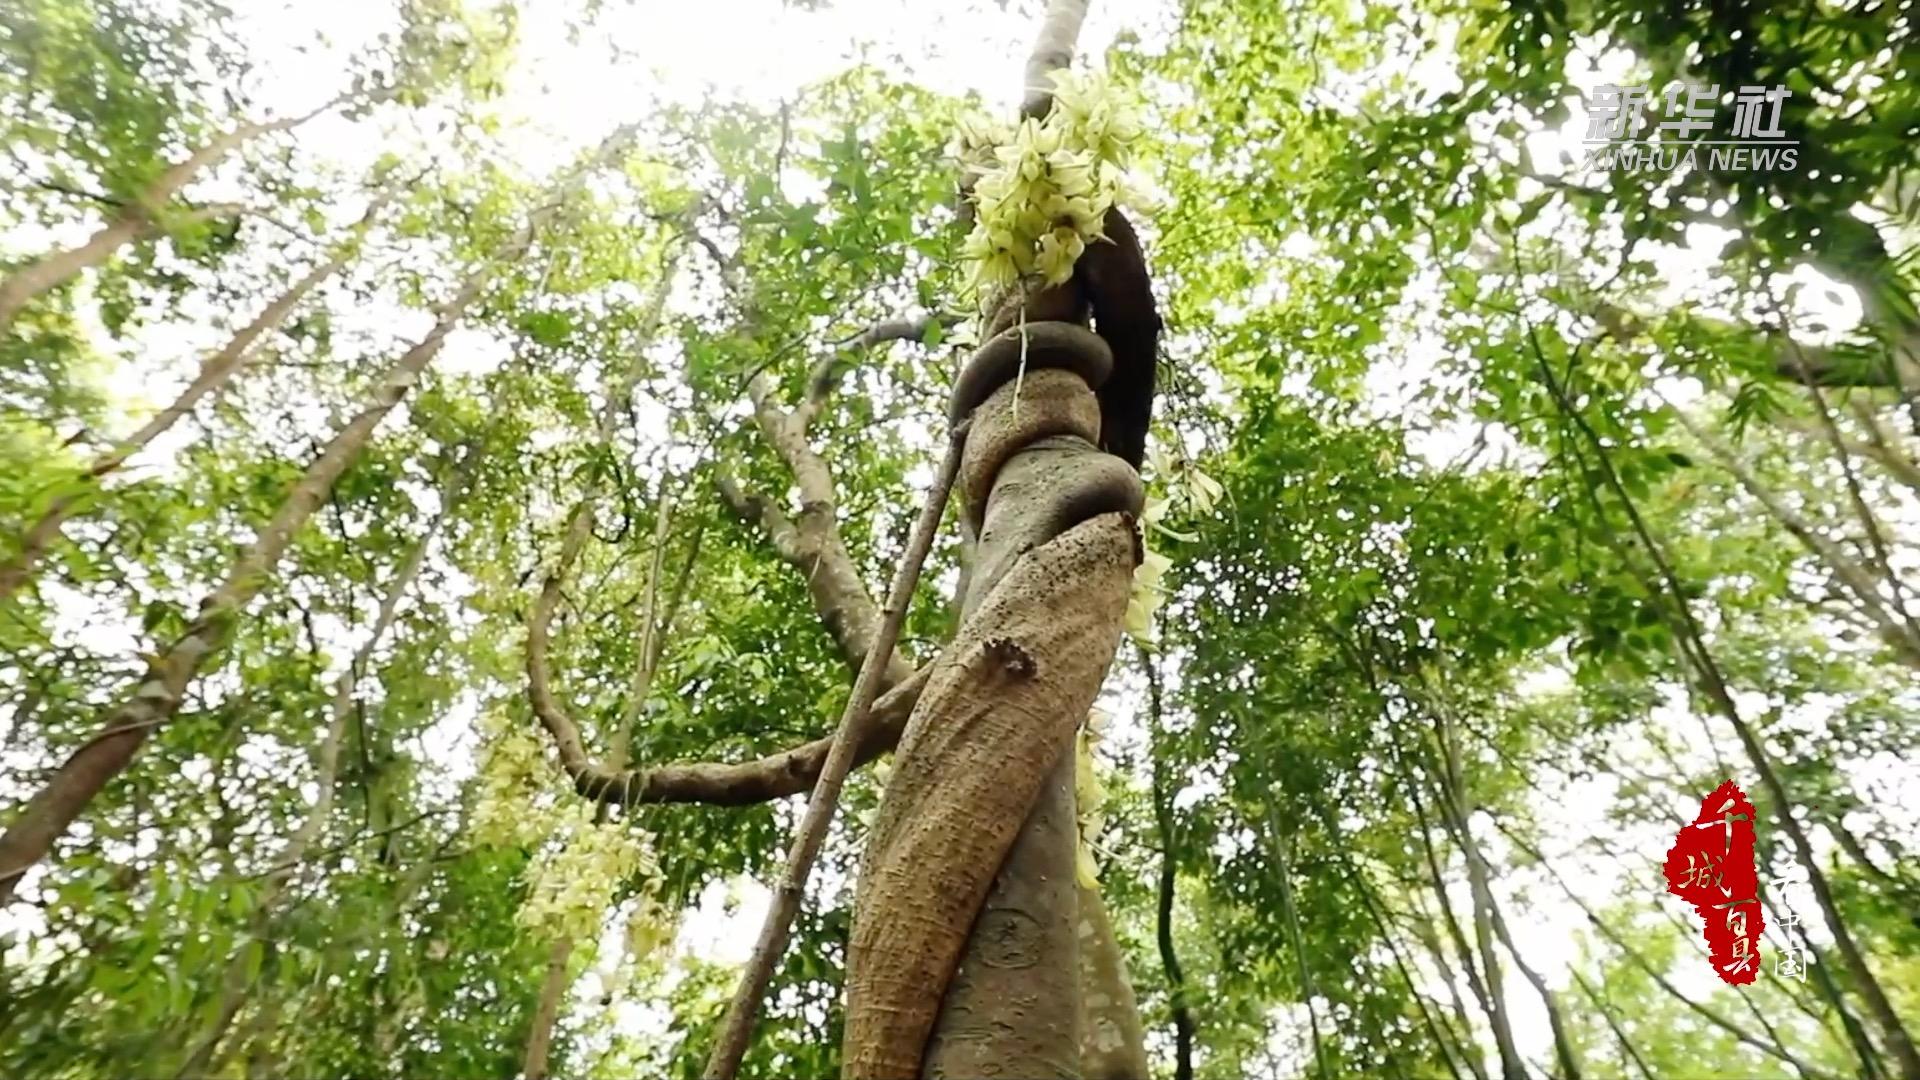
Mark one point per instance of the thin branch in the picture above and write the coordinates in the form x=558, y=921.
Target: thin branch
x=826, y=374
x=1692, y=638
x=1876, y=538
x=1184, y=1028
x=1856, y=579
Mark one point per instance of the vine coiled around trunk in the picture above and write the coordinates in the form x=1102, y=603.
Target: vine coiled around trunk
x=980, y=800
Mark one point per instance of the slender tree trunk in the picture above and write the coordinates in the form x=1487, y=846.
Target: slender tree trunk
x=546, y=1012
x=1461, y=1039
x=1654, y=972
x=292, y=855
x=159, y=696
x=1283, y=848
x=1556, y=1018
x=20, y=287
x=1603, y=1007
x=1377, y=912
x=134, y=221
x=1900, y=634
x=1184, y=1028
x=1494, y=1009
x=1664, y=581
x=1453, y=811
x=217, y=370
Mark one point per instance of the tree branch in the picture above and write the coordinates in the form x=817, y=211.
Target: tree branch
x=746, y=783
x=1899, y=636
x=827, y=373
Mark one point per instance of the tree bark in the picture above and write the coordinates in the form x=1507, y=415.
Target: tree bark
x=998, y=713
x=1013, y=1006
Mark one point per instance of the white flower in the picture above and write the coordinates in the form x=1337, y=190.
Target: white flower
x=1058, y=250
x=1071, y=171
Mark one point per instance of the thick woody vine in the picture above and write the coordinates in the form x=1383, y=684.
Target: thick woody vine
x=964, y=942
x=1050, y=498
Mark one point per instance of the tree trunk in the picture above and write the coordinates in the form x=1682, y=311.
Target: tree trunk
x=159, y=696
x=546, y=1012
x=1453, y=815
x=136, y=220
x=1113, y=1045
x=1048, y=596
x=963, y=958
x=1184, y=1028
x=1013, y=1007
x=1692, y=638
x=214, y=373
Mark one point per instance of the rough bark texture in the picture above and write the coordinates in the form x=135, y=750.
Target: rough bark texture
x=1047, y=596
x=737, y=1028
x=1008, y=1012
x=1113, y=1045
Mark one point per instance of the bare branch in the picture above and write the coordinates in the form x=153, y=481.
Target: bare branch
x=826, y=374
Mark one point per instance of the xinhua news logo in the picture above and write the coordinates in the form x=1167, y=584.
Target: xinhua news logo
x=1688, y=137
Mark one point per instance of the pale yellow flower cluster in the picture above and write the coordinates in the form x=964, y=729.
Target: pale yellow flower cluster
x=1045, y=187
x=571, y=882
x=512, y=778
x=651, y=928
x=577, y=863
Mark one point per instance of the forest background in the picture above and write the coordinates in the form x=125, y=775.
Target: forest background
x=354, y=355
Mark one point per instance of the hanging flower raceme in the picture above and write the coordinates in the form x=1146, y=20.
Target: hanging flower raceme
x=1044, y=187
x=578, y=861
x=513, y=776
x=572, y=880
